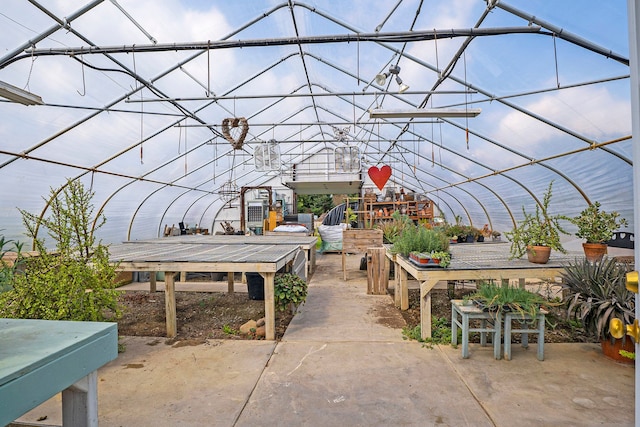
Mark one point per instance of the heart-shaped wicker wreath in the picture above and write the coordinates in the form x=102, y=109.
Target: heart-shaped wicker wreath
x=235, y=122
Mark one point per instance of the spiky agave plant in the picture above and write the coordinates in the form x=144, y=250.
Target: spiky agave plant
x=597, y=293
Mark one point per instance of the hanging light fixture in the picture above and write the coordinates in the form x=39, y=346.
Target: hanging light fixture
x=18, y=95
x=423, y=112
x=381, y=79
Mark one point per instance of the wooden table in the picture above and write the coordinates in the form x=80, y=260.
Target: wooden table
x=472, y=261
x=306, y=243
x=40, y=358
x=172, y=258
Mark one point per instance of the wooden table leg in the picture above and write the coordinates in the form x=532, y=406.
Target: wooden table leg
x=80, y=402
x=230, y=283
x=152, y=281
x=403, y=282
x=170, y=303
x=425, y=307
x=269, y=306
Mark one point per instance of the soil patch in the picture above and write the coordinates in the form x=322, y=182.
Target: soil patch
x=215, y=315
x=200, y=315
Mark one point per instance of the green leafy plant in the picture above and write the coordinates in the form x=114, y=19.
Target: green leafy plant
x=440, y=333
x=597, y=293
x=290, y=290
x=229, y=330
x=420, y=239
x=76, y=280
x=8, y=269
x=496, y=298
x=628, y=354
x=597, y=226
x=537, y=229
x=392, y=228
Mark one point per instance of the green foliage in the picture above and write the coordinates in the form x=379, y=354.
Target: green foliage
x=538, y=229
x=597, y=293
x=74, y=282
x=289, y=289
x=440, y=333
x=628, y=354
x=316, y=204
x=9, y=270
x=508, y=298
x=597, y=226
x=420, y=239
x=229, y=330
x=392, y=228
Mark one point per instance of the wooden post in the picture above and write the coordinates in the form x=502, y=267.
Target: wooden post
x=152, y=281
x=170, y=303
x=402, y=287
x=230, y=283
x=269, y=306
x=377, y=272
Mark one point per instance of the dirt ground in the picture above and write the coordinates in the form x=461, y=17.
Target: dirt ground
x=205, y=315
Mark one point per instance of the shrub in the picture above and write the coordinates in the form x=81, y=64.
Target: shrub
x=74, y=282
x=289, y=289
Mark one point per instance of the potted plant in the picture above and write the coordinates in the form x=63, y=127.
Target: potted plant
x=597, y=293
x=431, y=259
x=597, y=227
x=538, y=233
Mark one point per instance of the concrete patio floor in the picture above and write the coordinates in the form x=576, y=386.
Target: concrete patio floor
x=343, y=362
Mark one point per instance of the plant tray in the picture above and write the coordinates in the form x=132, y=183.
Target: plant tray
x=430, y=264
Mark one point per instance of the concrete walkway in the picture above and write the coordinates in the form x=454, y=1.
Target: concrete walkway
x=343, y=362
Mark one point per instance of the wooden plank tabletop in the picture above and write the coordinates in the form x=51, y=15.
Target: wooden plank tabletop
x=226, y=239
x=199, y=253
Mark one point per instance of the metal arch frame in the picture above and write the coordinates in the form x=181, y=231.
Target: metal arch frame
x=275, y=8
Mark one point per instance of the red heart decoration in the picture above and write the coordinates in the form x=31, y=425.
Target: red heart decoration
x=380, y=176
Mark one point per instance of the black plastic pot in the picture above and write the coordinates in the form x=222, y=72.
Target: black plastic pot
x=255, y=286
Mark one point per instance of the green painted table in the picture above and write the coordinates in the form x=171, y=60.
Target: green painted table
x=40, y=358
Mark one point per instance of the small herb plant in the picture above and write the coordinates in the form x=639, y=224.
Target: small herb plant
x=597, y=226
x=290, y=290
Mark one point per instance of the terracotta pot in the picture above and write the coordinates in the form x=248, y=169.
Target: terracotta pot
x=538, y=254
x=612, y=351
x=594, y=251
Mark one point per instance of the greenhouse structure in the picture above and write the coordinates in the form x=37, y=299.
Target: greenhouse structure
x=187, y=118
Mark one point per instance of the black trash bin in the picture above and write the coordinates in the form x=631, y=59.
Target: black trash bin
x=255, y=286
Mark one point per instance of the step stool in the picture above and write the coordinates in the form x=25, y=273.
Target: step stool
x=490, y=323
x=525, y=320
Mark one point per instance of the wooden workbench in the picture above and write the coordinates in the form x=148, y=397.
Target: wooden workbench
x=172, y=258
x=471, y=261
x=40, y=358
x=306, y=243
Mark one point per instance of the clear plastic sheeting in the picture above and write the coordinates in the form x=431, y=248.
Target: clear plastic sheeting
x=135, y=96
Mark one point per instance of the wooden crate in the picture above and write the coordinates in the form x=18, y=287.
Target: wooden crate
x=358, y=241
